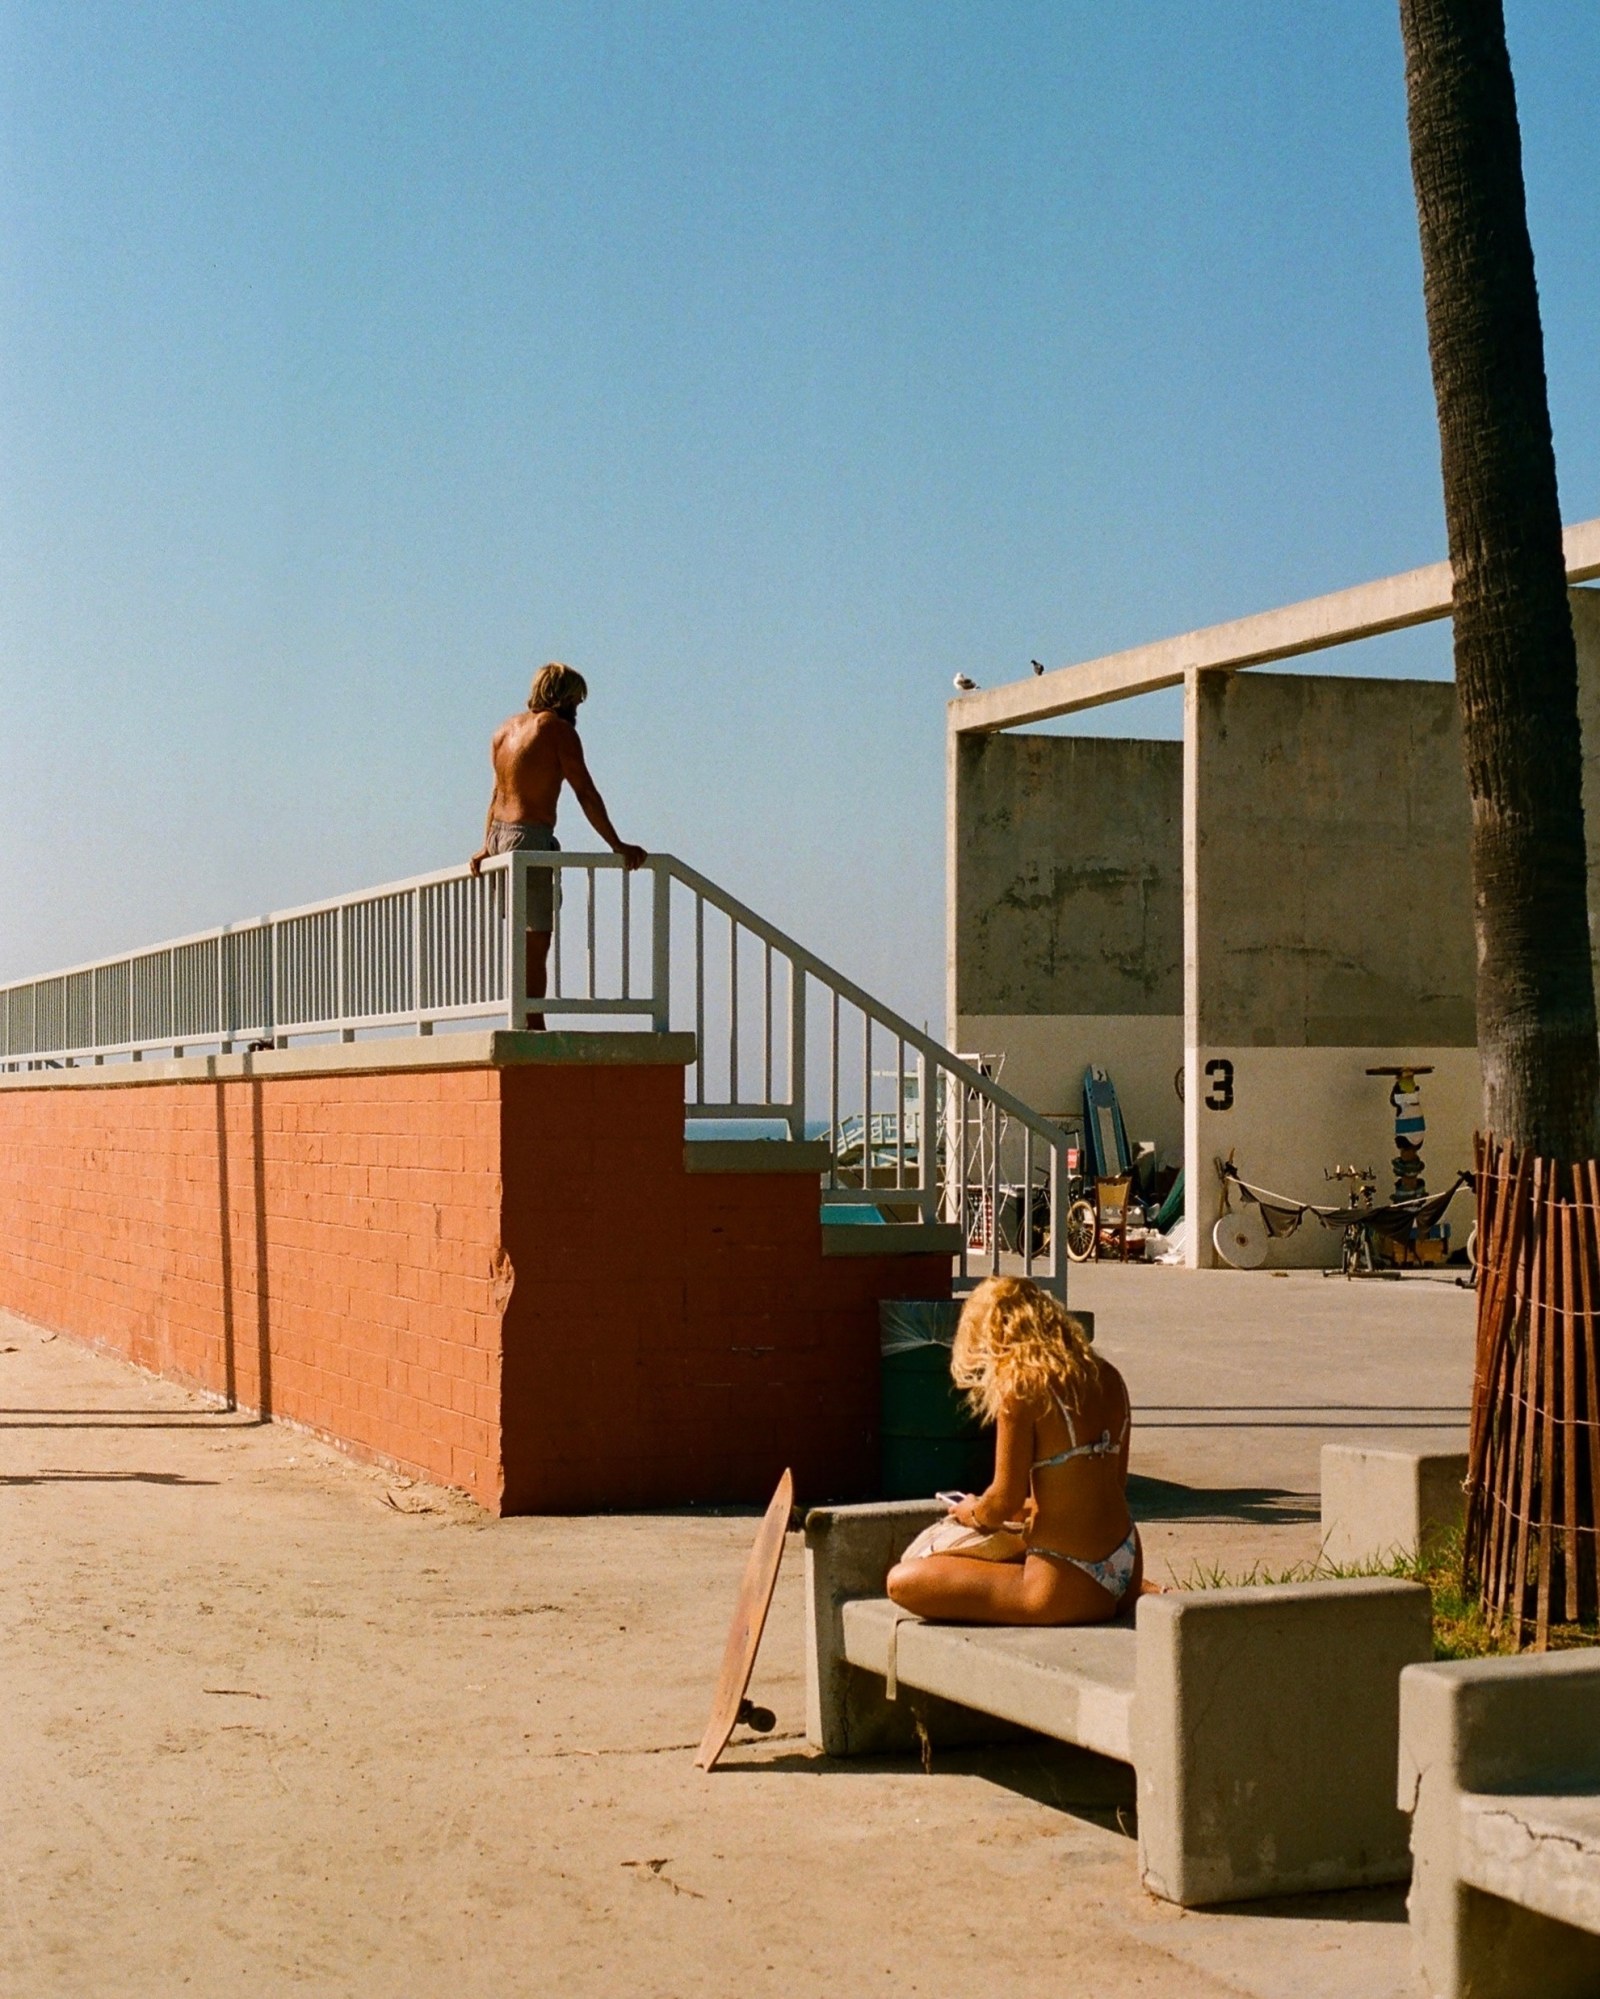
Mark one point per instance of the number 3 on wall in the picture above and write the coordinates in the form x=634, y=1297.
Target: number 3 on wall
x=1219, y=1074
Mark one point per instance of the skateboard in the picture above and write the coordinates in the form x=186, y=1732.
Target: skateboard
x=729, y=1707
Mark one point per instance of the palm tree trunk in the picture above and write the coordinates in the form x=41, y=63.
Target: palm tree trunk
x=1534, y=1466
x=1516, y=663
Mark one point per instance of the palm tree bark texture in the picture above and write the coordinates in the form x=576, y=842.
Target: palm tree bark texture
x=1534, y=1469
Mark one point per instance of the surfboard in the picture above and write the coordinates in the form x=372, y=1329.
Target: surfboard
x=1103, y=1130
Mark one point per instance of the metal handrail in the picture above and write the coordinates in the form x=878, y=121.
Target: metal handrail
x=446, y=947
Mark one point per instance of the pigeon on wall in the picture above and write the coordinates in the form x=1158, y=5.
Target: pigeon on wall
x=966, y=686
x=1037, y=665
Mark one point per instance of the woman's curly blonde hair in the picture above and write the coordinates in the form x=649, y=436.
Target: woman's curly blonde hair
x=1017, y=1344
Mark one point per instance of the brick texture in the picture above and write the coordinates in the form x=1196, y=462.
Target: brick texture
x=502, y=1279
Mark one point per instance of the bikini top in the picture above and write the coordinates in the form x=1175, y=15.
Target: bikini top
x=1098, y=1447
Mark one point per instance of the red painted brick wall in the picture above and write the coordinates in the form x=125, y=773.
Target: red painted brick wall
x=321, y=1248
x=500, y=1278
x=676, y=1337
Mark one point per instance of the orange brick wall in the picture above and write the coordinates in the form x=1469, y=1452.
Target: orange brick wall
x=499, y=1278
x=320, y=1248
x=676, y=1337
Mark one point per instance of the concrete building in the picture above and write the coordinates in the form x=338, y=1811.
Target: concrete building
x=1239, y=926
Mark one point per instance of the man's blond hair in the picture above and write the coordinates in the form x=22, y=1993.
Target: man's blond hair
x=557, y=686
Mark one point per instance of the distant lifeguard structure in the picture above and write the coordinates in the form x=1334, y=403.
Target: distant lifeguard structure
x=1240, y=925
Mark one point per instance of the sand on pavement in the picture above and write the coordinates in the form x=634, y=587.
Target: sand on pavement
x=272, y=1721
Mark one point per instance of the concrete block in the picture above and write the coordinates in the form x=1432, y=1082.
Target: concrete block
x=1265, y=1725
x=1500, y=1770
x=849, y=1553
x=1378, y=1502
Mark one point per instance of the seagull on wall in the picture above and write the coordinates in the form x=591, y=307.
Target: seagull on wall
x=1037, y=665
x=965, y=685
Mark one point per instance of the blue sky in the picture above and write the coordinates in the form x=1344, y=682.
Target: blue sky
x=771, y=365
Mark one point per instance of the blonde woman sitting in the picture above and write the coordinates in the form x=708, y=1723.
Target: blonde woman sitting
x=1062, y=1417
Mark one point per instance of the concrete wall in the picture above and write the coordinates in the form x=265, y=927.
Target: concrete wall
x=1046, y=1055
x=1328, y=928
x=495, y=1272
x=1327, y=922
x=1065, y=927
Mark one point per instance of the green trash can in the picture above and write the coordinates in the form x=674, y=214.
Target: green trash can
x=931, y=1440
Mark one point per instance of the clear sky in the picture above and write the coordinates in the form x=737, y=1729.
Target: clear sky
x=769, y=364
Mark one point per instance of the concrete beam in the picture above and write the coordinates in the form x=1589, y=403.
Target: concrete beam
x=1391, y=604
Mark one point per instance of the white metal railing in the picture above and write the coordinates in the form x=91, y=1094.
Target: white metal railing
x=780, y=1036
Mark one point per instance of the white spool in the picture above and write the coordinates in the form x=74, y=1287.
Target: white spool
x=1241, y=1238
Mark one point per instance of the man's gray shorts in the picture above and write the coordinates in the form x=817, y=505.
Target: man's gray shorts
x=544, y=891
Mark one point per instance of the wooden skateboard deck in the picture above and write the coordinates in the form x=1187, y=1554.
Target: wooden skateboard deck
x=729, y=1706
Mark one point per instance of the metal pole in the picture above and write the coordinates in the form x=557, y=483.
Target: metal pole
x=766, y=1023
x=627, y=934
x=516, y=942
x=733, y=1013
x=660, y=949
x=699, y=999
x=833, y=1084
x=797, y=1050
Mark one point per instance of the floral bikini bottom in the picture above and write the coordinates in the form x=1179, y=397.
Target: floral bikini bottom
x=1113, y=1573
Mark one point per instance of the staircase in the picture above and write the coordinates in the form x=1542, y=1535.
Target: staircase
x=902, y=1132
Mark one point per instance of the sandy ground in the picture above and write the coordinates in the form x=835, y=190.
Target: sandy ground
x=275, y=1722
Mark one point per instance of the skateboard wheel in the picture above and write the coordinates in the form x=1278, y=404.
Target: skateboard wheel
x=761, y=1719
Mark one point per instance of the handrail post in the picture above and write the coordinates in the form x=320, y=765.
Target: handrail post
x=660, y=947
x=927, y=1142
x=415, y=895
x=797, y=1051
x=222, y=992
x=269, y=1027
x=341, y=971
x=516, y=942
x=1058, y=1215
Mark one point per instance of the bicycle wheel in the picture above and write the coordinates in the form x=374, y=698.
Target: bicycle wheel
x=1082, y=1226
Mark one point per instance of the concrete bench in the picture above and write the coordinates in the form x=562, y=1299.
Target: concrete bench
x=1379, y=1502
x=1262, y=1724
x=1500, y=1770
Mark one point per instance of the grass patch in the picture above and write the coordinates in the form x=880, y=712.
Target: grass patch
x=1460, y=1629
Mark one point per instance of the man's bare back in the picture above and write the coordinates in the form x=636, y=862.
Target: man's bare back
x=533, y=756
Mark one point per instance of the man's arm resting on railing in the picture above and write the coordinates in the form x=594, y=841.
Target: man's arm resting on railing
x=483, y=852
x=587, y=793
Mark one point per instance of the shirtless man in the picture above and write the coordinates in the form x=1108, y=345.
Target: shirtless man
x=534, y=754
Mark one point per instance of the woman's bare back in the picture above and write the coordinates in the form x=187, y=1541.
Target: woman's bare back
x=1079, y=1511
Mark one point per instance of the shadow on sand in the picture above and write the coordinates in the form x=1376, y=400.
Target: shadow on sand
x=101, y=1478
x=1255, y=1505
